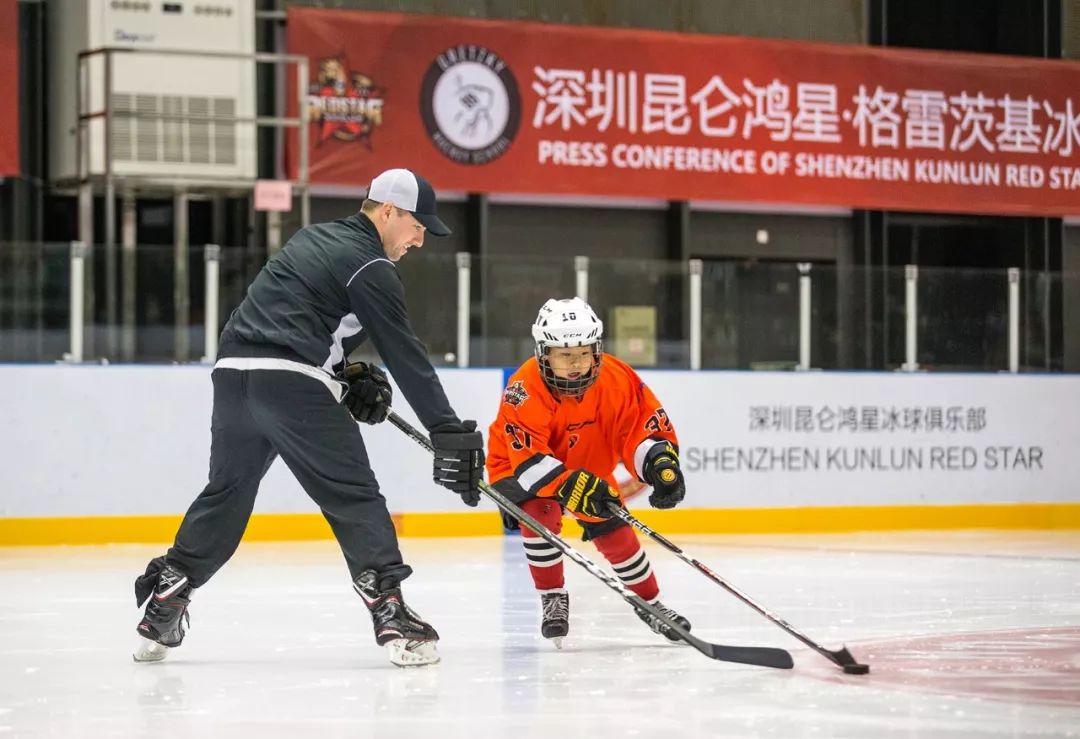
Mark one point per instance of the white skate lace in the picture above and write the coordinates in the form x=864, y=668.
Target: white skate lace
x=555, y=608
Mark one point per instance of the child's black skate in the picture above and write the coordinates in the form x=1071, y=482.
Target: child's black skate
x=659, y=626
x=409, y=640
x=556, y=623
x=163, y=623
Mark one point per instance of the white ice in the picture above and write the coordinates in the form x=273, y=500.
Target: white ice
x=967, y=634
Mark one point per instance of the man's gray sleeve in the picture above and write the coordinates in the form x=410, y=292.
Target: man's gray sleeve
x=378, y=299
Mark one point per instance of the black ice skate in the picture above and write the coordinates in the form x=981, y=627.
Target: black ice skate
x=409, y=640
x=163, y=624
x=556, y=623
x=659, y=626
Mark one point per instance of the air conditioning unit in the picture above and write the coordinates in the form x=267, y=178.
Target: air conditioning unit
x=172, y=113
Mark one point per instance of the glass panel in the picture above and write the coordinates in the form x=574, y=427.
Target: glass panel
x=750, y=310
x=155, y=312
x=749, y=315
x=1038, y=293
x=719, y=327
x=963, y=319
x=1070, y=309
x=894, y=318
x=514, y=288
x=196, y=330
x=144, y=328
x=644, y=307
x=824, y=317
x=238, y=268
x=851, y=329
x=431, y=297
x=34, y=296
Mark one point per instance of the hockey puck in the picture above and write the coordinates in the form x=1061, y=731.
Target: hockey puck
x=856, y=669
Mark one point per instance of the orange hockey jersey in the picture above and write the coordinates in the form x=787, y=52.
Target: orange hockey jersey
x=539, y=438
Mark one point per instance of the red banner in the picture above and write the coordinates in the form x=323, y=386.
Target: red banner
x=490, y=106
x=9, y=88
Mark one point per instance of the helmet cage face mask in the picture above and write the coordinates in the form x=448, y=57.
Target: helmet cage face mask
x=577, y=386
x=567, y=324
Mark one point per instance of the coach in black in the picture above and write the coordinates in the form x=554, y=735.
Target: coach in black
x=282, y=387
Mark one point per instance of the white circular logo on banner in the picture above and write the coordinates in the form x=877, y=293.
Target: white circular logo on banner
x=470, y=104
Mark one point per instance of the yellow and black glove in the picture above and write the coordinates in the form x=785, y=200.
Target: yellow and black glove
x=585, y=493
x=662, y=471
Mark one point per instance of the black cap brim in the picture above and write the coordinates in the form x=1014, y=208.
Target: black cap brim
x=432, y=224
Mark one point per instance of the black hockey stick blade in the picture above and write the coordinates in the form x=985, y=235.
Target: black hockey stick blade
x=842, y=657
x=758, y=656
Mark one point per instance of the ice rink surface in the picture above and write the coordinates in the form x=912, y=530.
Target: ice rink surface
x=968, y=634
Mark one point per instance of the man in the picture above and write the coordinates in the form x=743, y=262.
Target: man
x=331, y=287
x=568, y=416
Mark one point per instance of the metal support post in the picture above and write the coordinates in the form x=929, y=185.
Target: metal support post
x=581, y=269
x=76, y=296
x=212, y=256
x=181, y=279
x=302, y=83
x=82, y=158
x=911, y=315
x=128, y=270
x=110, y=217
x=86, y=203
x=464, y=283
x=696, y=268
x=273, y=233
x=804, y=316
x=1014, y=319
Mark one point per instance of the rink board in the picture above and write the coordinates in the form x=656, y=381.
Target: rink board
x=95, y=454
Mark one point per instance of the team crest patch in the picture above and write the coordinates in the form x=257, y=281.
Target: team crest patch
x=515, y=394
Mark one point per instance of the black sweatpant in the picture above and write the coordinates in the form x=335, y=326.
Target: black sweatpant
x=259, y=414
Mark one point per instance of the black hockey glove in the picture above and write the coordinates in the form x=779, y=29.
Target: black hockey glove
x=369, y=395
x=585, y=493
x=459, y=459
x=662, y=471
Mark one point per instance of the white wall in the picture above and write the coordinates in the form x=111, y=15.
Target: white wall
x=125, y=440
x=1002, y=438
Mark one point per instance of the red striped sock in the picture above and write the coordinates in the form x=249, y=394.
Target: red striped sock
x=545, y=561
x=630, y=562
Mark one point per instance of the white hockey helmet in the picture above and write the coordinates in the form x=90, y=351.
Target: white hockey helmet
x=568, y=323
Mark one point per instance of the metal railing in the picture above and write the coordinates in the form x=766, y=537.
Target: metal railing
x=105, y=179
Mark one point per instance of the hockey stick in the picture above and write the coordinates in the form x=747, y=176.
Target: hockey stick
x=761, y=656
x=841, y=657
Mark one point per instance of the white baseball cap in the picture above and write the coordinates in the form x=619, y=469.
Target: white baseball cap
x=408, y=191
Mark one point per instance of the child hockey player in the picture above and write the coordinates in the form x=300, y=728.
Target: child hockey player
x=568, y=416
